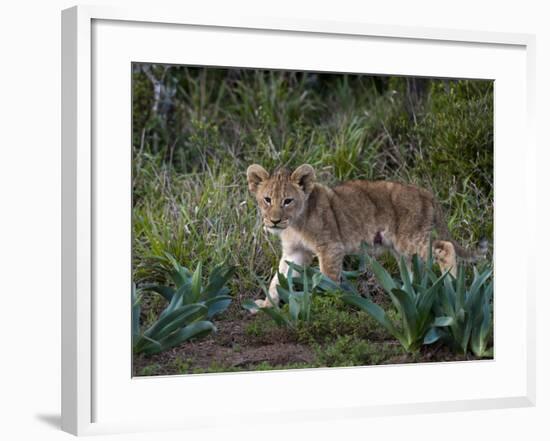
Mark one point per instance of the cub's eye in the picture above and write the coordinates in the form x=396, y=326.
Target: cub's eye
x=287, y=201
x=267, y=200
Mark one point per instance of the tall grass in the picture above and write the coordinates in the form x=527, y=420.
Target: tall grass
x=196, y=130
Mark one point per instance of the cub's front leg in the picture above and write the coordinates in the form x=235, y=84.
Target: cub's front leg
x=298, y=256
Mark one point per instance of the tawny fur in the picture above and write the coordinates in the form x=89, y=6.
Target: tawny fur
x=315, y=220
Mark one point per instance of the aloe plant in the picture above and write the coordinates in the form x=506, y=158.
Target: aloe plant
x=296, y=291
x=412, y=296
x=177, y=323
x=191, y=305
x=470, y=309
x=214, y=294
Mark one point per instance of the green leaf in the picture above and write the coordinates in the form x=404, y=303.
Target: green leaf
x=466, y=335
x=267, y=294
x=147, y=345
x=443, y=321
x=409, y=314
x=448, y=297
x=397, y=303
x=427, y=298
x=352, y=274
x=136, y=312
x=417, y=268
x=217, y=304
x=180, y=274
x=196, y=282
x=294, y=266
x=164, y=291
x=489, y=291
x=177, y=278
x=294, y=307
x=433, y=335
x=481, y=329
x=475, y=290
x=348, y=286
x=474, y=306
x=460, y=288
x=265, y=290
x=284, y=282
x=273, y=312
x=184, y=272
x=218, y=278
x=188, y=314
x=383, y=277
x=176, y=319
x=194, y=330
x=376, y=312
x=164, y=319
x=406, y=278
x=283, y=293
x=181, y=296
x=305, y=297
x=327, y=284
x=277, y=316
x=317, y=279
x=250, y=305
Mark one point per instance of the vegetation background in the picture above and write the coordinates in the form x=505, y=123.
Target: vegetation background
x=196, y=130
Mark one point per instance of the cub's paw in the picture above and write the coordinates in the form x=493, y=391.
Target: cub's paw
x=265, y=303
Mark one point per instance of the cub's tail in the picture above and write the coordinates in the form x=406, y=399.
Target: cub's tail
x=472, y=255
x=468, y=255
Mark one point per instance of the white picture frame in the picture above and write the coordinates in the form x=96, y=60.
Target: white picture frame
x=96, y=382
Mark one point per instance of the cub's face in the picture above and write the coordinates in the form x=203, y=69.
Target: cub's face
x=281, y=196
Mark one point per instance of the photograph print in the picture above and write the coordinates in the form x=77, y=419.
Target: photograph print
x=290, y=219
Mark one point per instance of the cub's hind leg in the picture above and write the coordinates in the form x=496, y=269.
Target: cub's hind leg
x=331, y=259
x=445, y=255
x=443, y=252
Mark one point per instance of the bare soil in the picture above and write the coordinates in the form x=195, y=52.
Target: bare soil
x=247, y=342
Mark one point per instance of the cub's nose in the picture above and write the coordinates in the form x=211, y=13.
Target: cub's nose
x=275, y=221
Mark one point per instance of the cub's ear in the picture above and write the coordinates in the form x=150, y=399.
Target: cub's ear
x=304, y=177
x=255, y=174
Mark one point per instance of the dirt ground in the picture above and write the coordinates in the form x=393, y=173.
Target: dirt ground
x=246, y=342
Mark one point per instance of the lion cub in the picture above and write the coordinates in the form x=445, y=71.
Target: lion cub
x=315, y=220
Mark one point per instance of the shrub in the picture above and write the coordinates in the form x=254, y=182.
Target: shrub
x=190, y=304
x=176, y=323
x=470, y=310
x=214, y=295
x=412, y=296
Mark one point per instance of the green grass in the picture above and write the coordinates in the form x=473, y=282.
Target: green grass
x=348, y=350
x=331, y=318
x=150, y=369
x=191, y=148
